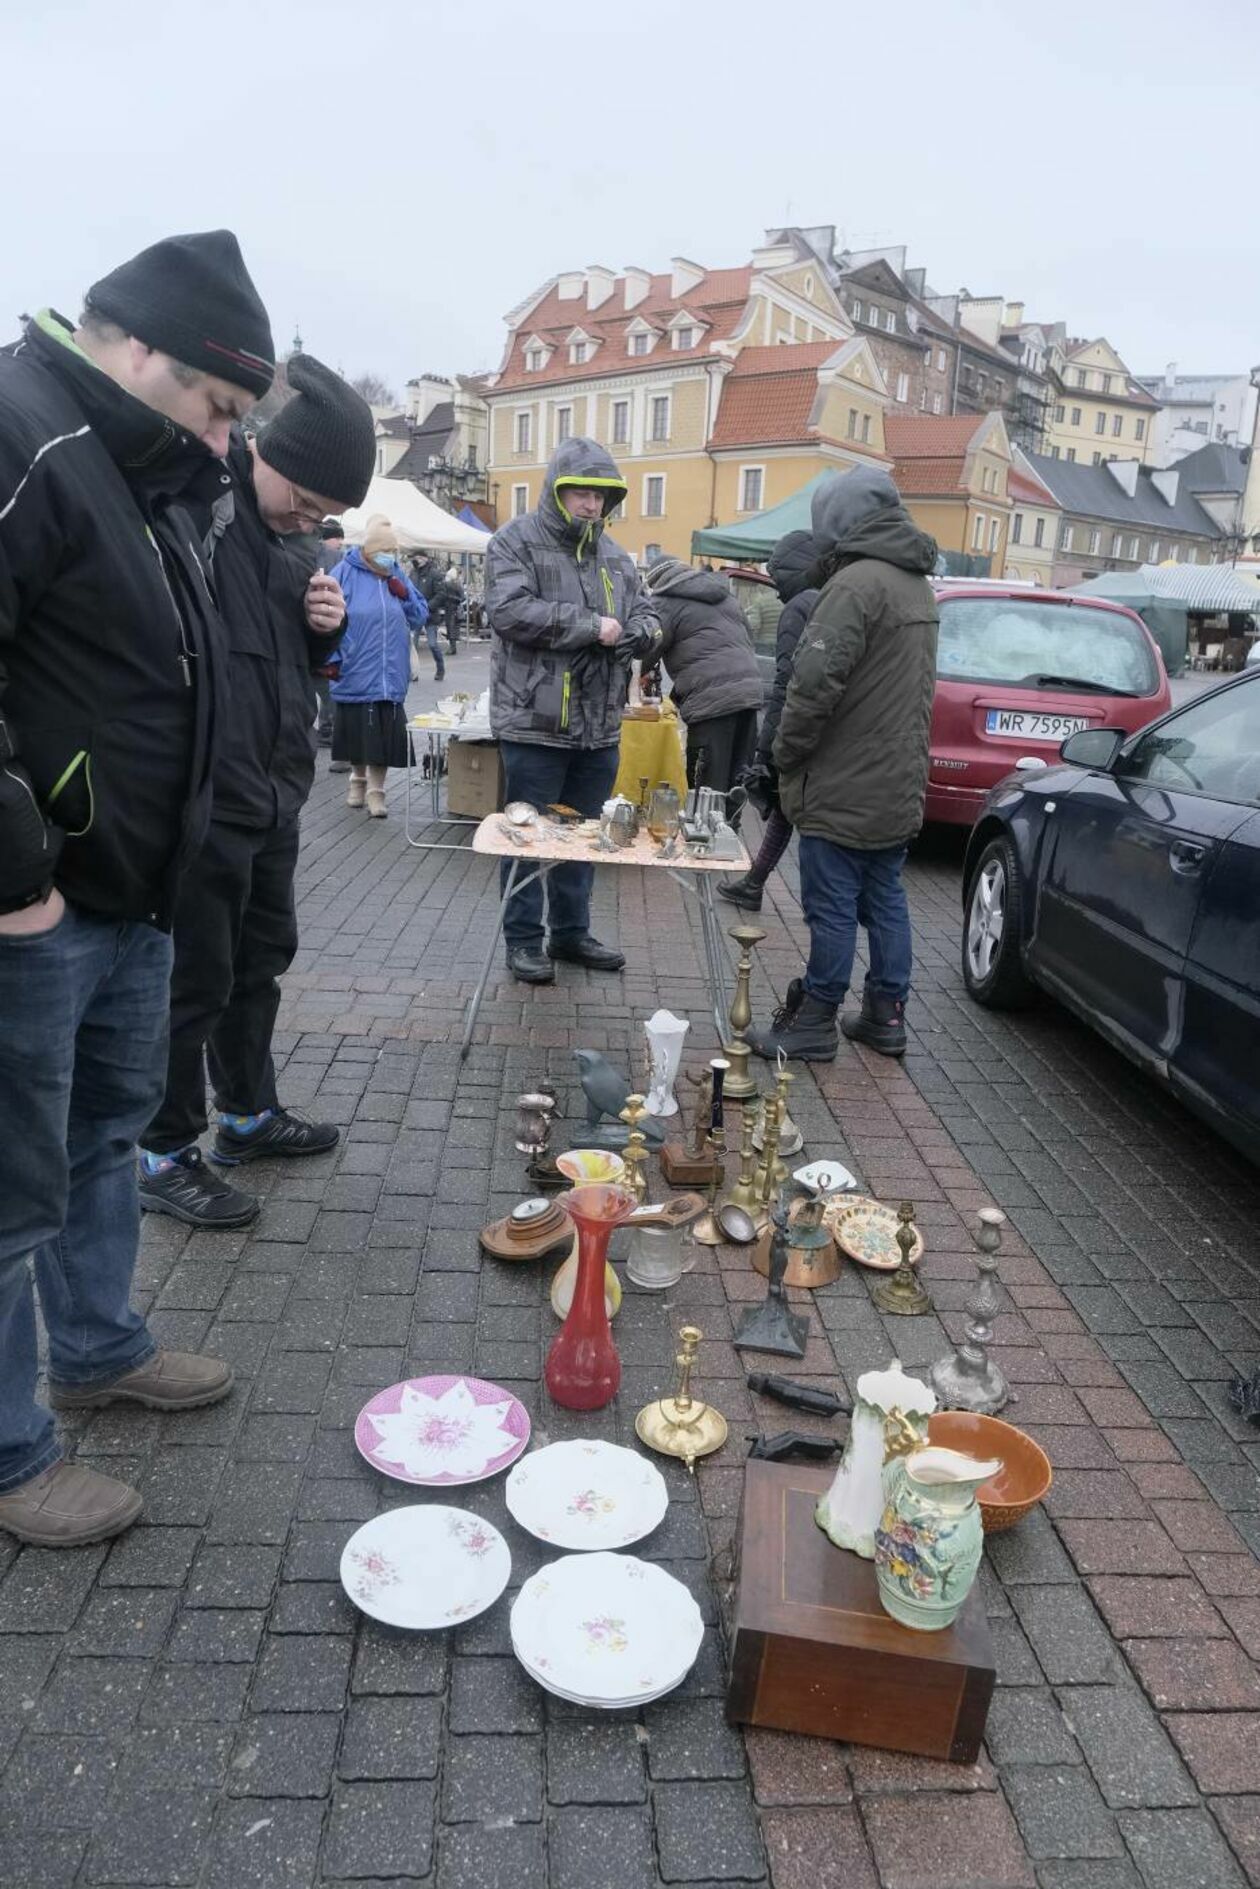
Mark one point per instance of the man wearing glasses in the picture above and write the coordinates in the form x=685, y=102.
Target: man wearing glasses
x=235, y=924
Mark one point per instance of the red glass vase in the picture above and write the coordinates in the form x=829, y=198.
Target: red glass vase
x=583, y=1370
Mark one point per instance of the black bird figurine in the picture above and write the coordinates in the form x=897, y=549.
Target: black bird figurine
x=606, y=1090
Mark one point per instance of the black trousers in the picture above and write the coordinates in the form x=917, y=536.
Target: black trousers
x=235, y=934
x=728, y=743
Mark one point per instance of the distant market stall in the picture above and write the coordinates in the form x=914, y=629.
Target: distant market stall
x=420, y=524
x=1167, y=596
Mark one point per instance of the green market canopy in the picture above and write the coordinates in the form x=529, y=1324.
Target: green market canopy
x=753, y=539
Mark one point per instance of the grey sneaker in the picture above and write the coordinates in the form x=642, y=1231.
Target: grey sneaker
x=170, y=1380
x=68, y=1506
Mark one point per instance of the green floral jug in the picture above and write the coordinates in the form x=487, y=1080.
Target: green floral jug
x=930, y=1537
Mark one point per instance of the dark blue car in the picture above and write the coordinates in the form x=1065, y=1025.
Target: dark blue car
x=1126, y=882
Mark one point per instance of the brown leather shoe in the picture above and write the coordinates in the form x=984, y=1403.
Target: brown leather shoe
x=171, y=1380
x=69, y=1506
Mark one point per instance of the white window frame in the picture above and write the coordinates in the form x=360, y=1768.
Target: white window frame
x=520, y=500
x=866, y=429
x=679, y=343
x=1139, y=429
x=533, y=360
x=1067, y=534
x=995, y=532
x=1076, y=415
x=936, y=404
x=745, y=472
x=523, y=424
x=1039, y=531
x=903, y=389
x=638, y=344
x=1017, y=528
x=1117, y=426
x=1152, y=556
x=564, y=423
x=890, y=321
x=977, y=532
x=654, y=438
x=649, y=479
x=620, y=436
x=1135, y=547
x=1071, y=455
x=923, y=399
x=1095, y=541
x=579, y=352
x=1059, y=412
x=940, y=360
x=1117, y=545
x=856, y=310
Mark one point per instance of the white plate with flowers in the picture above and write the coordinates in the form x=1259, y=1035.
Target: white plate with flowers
x=587, y=1495
x=440, y=1432
x=425, y=1567
x=606, y=1629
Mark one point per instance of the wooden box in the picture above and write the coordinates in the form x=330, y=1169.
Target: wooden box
x=474, y=778
x=812, y=1649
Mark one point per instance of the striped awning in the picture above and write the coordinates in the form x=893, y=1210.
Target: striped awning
x=1203, y=587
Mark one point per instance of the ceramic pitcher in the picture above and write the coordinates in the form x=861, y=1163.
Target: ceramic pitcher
x=930, y=1537
x=849, y=1512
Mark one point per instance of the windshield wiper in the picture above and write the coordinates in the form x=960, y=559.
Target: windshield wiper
x=1072, y=682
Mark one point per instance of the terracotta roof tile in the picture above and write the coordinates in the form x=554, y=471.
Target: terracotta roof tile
x=787, y=358
x=766, y=409
x=1028, y=488
x=920, y=478
x=912, y=437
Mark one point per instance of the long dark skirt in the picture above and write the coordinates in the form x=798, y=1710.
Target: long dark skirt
x=370, y=734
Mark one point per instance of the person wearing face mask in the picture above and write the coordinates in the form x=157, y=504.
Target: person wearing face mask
x=236, y=924
x=369, y=693
x=568, y=614
x=111, y=706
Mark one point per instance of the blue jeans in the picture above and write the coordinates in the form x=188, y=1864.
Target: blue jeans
x=574, y=777
x=842, y=888
x=83, y=1025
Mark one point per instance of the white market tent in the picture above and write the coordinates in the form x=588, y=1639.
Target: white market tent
x=418, y=522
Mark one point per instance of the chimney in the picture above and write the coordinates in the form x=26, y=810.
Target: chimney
x=1014, y=316
x=423, y=394
x=570, y=285
x=638, y=285
x=684, y=276
x=1166, y=482
x=1125, y=474
x=1170, y=377
x=599, y=285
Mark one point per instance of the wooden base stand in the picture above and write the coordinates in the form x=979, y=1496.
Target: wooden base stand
x=681, y=1168
x=812, y=1649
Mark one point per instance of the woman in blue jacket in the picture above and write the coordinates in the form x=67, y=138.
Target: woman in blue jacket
x=369, y=717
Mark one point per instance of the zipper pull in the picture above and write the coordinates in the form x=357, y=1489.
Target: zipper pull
x=183, y=663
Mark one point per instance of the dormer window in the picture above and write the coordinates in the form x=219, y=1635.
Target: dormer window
x=577, y=353
x=639, y=343
x=533, y=360
x=684, y=338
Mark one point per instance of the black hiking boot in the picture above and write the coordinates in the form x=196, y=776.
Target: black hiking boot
x=189, y=1191
x=281, y=1134
x=880, y=1024
x=745, y=892
x=804, y=1028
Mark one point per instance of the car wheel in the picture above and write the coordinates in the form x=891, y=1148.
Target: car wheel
x=991, y=965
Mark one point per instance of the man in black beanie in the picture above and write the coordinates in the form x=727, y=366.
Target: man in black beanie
x=235, y=925
x=110, y=705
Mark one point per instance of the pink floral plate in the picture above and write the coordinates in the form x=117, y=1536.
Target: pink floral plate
x=425, y=1567
x=440, y=1432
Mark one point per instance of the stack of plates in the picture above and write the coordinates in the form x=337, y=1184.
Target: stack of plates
x=606, y=1630
x=587, y=1495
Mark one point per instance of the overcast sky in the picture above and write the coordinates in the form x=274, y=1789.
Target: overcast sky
x=401, y=175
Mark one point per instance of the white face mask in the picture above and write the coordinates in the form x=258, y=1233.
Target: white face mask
x=383, y=558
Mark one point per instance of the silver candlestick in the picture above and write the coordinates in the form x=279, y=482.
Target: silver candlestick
x=969, y=1379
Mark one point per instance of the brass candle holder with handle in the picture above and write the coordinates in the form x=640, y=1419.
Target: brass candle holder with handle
x=902, y=1292
x=740, y=1084
x=635, y=1151
x=681, y=1425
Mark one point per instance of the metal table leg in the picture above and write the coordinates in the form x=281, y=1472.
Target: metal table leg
x=514, y=885
x=716, y=955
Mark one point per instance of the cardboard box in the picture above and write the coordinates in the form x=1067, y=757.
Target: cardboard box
x=474, y=778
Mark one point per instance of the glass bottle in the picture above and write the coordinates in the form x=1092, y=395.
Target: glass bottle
x=664, y=812
x=583, y=1370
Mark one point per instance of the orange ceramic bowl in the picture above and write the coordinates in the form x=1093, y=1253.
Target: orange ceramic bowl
x=1025, y=1474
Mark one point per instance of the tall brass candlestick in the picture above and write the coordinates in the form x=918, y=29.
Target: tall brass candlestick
x=773, y=1141
x=744, y=1193
x=740, y=1084
x=767, y=1186
x=635, y=1152
x=706, y=1229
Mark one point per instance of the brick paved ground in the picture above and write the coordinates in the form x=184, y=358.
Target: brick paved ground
x=198, y=1704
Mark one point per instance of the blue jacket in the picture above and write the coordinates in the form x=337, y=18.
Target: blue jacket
x=375, y=652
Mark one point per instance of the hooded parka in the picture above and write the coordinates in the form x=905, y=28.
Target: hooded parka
x=705, y=642
x=549, y=580
x=853, y=739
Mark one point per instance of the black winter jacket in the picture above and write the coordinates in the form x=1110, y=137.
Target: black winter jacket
x=792, y=621
x=266, y=758
x=108, y=674
x=705, y=643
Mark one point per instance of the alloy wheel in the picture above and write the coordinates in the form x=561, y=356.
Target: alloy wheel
x=986, y=919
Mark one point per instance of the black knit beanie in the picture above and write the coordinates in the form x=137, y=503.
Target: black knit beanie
x=324, y=439
x=191, y=296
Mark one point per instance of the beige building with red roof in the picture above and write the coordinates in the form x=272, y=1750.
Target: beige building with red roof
x=1033, y=537
x=718, y=391
x=953, y=475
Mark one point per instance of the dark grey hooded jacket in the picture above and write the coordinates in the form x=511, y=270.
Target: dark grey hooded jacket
x=705, y=642
x=549, y=579
x=852, y=746
x=792, y=565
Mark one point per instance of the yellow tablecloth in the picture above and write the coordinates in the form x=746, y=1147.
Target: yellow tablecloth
x=653, y=749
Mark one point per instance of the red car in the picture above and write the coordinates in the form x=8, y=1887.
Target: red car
x=1018, y=670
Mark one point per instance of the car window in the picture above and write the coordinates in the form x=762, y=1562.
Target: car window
x=1212, y=747
x=1019, y=641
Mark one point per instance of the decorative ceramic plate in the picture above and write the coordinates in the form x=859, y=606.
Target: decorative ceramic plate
x=425, y=1567
x=442, y=1431
x=606, y=1629
x=867, y=1231
x=825, y=1177
x=587, y=1495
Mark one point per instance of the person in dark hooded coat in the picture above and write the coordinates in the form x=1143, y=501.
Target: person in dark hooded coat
x=707, y=648
x=852, y=750
x=792, y=566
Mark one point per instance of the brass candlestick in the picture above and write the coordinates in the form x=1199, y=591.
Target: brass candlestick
x=740, y=1083
x=679, y=1425
x=903, y=1293
x=635, y=1152
x=767, y=1186
x=744, y=1193
x=706, y=1229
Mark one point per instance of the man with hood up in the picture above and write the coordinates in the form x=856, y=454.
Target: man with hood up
x=568, y=615
x=791, y=568
x=712, y=667
x=852, y=753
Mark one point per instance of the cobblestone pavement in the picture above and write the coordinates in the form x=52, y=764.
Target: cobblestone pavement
x=198, y=1704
